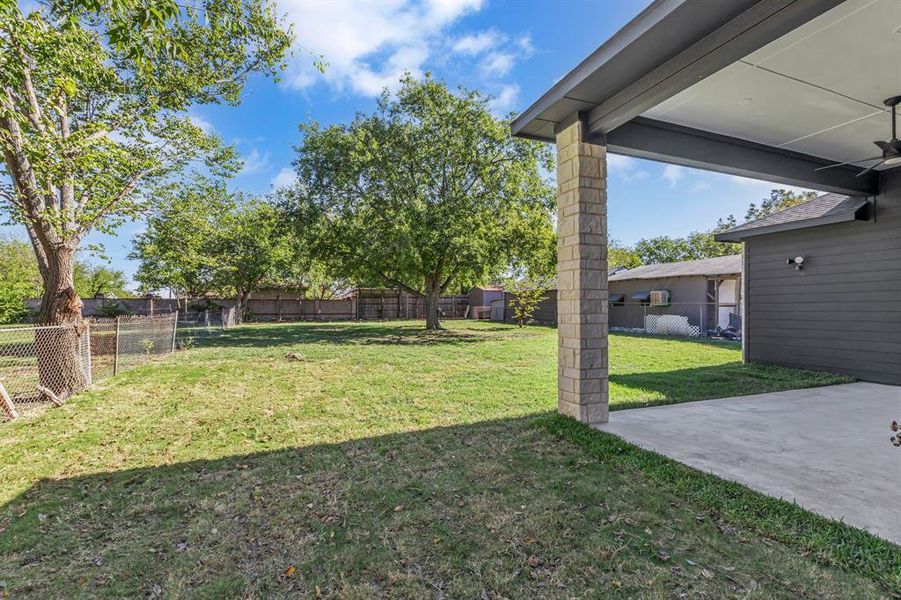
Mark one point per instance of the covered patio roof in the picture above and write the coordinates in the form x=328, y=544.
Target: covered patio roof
x=768, y=89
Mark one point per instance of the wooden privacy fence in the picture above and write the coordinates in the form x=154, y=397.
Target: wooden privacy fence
x=365, y=304
x=259, y=309
x=391, y=305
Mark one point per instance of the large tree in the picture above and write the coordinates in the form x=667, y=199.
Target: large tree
x=19, y=279
x=93, y=95
x=92, y=281
x=252, y=248
x=176, y=250
x=203, y=238
x=430, y=191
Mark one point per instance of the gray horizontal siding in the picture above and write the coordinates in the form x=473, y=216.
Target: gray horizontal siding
x=842, y=312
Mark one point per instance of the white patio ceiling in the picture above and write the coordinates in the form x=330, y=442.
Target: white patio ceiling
x=817, y=90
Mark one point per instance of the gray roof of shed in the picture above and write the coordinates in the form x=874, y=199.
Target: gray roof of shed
x=719, y=266
x=822, y=210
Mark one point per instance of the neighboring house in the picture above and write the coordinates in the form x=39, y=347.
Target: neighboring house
x=698, y=296
x=480, y=299
x=839, y=307
x=706, y=293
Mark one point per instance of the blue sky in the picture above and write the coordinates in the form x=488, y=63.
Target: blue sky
x=511, y=49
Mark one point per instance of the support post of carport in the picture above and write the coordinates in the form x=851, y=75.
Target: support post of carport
x=582, y=376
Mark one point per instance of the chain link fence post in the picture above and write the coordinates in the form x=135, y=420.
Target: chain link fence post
x=174, y=330
x=116, y=351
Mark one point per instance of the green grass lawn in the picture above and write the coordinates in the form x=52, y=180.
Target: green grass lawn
x=360, y=460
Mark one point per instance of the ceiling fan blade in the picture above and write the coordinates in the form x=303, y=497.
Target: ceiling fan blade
x=850, y=162
x=868, y=169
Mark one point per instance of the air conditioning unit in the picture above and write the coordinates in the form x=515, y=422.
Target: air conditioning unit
x=660, y=298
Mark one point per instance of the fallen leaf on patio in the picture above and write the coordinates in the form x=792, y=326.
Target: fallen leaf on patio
x=289, y=572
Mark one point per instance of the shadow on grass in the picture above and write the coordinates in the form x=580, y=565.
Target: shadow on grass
x=351, y=332
x=497, y=508
x=718, y=381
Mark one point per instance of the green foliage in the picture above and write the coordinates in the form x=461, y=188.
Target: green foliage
x=251, y=247
x=204, y=239
x=620, y=255
x=19, y=279
x=778, y=201
x=92, y=281
x=701, y=244
x=694, y=246
x=177, y=249
x=430, y=191
x=527, y=295
x=92, y=116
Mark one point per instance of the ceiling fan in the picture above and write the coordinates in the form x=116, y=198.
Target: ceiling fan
x=891, y=150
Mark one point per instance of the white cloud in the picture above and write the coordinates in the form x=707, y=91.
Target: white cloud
x=625, y=168
x=701, y=185
x=204, y=125
x=285, y=178
x=505, y=100
x=673, y=174
x=255, y=162
x=525, y=44
x=765, y=186
x=368, y=45
x=496, y=64
x=477, y=43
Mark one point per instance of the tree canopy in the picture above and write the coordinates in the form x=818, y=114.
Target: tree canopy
x=430, y=191
x=93, y=95
x=20, y=277
x=94, y=281
x=202, y=238
x=701, y=244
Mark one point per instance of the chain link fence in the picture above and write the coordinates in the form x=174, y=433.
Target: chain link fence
x=43, y=366
x=682, y=319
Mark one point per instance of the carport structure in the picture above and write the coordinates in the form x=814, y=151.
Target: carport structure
x=767, y=89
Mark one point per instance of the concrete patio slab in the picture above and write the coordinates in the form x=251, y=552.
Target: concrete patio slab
x=825, y=448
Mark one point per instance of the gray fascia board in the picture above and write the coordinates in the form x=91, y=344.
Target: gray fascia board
x=667, y=142
x=654, y=14
x=664, y=37
x=861, y=214
x=747, y=32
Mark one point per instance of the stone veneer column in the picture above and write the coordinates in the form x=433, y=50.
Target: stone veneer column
x=582, y=384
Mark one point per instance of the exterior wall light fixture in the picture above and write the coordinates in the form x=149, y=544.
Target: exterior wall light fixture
x=798, y=261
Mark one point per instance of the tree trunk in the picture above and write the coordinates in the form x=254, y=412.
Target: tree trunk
x=242, y=304
x=59, y=361
x=432, y=298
